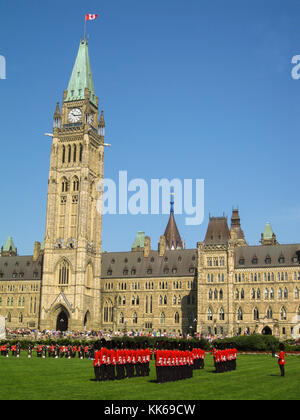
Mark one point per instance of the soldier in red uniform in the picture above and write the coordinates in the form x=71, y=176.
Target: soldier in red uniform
x=281, y=359
x=96, y=364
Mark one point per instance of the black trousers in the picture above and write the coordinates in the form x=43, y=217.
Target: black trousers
x=282, y=370
x=97, y=373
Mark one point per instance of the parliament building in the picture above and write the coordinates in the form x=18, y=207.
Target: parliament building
x=221, y=287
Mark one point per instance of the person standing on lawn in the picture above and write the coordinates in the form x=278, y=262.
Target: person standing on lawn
x=281, y=359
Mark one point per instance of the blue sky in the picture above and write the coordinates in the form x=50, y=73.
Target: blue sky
x=193, y=89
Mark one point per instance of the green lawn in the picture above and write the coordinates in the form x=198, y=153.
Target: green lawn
x=257, y=377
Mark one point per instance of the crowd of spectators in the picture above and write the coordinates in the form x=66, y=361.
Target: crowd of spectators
x=38, y=335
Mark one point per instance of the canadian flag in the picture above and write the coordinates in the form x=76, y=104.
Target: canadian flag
x=91, y=17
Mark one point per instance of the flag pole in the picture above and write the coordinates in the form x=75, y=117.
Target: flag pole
x=84, y=36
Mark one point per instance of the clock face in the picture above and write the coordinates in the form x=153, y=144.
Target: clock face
x=74, y=115
x=90, y=119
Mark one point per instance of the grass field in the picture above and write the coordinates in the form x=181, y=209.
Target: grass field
x=257, y=378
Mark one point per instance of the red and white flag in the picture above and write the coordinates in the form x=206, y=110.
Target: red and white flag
x=91, y=17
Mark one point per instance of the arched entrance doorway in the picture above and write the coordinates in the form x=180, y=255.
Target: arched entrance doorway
x=267, y=331
x=62, y=321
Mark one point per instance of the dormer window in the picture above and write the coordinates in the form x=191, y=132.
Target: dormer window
x=268, y=260
x=242, y=261
x=254, y=260
x=281, y=259
x=109, y=272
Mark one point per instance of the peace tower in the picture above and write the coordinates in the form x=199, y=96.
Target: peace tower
x=70, y=295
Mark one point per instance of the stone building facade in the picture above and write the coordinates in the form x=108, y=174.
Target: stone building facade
x=221, y=287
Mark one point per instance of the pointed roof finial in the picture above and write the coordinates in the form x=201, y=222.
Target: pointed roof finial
x=57, y=111
x=101, y=120
x=172, y=202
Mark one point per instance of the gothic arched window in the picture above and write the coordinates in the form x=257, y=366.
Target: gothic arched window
x=63, y=273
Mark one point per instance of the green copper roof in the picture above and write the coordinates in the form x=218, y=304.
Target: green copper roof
x=139, y=240
x=268, y=232
x=81, y=77
x=9, y=245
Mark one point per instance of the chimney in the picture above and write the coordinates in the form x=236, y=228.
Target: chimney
x=162, y=246
x=147, y=247
x=36, y=251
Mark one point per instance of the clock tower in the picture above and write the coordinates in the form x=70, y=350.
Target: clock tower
x=70, y=295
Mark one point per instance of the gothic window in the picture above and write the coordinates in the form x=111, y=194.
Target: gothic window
x=74, y=153
x=221, y=294
x=237, y=294
x=283, y=314
x=285, y=293
x=165, y=300
x=174, y=300
x=256, y=314
x=108, y=311
x=121, y=318
x=296, y=293
x=272, y=293
x=76, y=184
x=258, y=293
x=64, y=185
x=135, y=318
x=221, y=314
x=176, y=318
x=63, y=273
x=266, y=294
x=280, y=293
x=69, y=153
x=210, y=294
x=80, y=152
x=269, y=313
x=242, y=294
x=253, y=294
x=162, y=318
x=215, y=294
x=146, y=306
x=240, y=314
x=209, y=314
x=160, y=300
x=63, y=154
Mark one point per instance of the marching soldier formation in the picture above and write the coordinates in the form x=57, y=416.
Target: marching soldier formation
x=54, y=350
x=118, y=361
x=224, y=360
x=176, y=364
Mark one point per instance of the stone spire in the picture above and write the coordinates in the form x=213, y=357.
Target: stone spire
x=81, y=78
x=173, y=239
